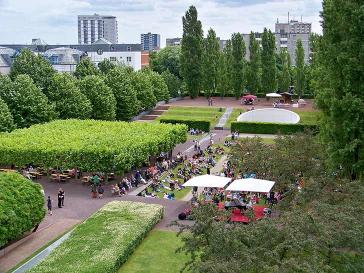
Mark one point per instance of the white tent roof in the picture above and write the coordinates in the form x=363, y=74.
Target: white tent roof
x=273, y=95
x=207, y=181
x=251, y=185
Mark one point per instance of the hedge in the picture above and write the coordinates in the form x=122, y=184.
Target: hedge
x=21, y=206
x=270, y=128
x=104, y=241
x=192, y=124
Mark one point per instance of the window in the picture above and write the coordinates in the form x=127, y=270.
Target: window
x=113, y=59
x=128, y=59
x=128, y=48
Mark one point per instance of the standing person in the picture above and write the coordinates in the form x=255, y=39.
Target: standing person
x=100, y=191
x=61, y=192
x=59, y=195
x=49, y=205
x=208, y=170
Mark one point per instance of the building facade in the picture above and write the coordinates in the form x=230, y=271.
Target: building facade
x=150, y=41
x=94, y=27
x=173, y=41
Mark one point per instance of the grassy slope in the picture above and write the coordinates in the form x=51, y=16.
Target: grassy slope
x=156, y=254
x=307, y=117
x=234, y=115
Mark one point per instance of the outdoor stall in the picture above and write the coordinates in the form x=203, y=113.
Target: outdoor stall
x=251, y=185
x=248, y=99
x=207, y=181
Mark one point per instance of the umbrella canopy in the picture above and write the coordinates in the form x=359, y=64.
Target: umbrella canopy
x=207, y=181
x=248, y=97
x=273, y=95
x=251, y=185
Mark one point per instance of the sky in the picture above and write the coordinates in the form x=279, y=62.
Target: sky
x=55, y=21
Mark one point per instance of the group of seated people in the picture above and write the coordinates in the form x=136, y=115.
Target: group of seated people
x=195, y=132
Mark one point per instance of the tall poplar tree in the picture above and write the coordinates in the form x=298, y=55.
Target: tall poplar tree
x=269, y=83
x=339, y=85
x=228, y=59
x=210, y=63
x=284, y=77
x=222, y=75
x=254, y=69
x=300, y=67
x=191, y=52
x=238, y=53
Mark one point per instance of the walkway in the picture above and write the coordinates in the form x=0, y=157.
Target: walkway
x=225, y=117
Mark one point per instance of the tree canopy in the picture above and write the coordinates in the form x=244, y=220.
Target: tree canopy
x=238, y=64
x=144, y=90
x=300, y=68
x=173, y=83
x=159, y=87
x=269, y=83
x=106, y=65
x=86, y=68
x=254, y=72
x=167, y=58
x=6, y=118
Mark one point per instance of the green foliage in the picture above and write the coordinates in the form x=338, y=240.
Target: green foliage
x=105, y=66
x=300, y=68
x=86, y=68
x=284, y=77
x=127, y=104
x=191, y=52
x=101, y=97
x=269, y=83
x=67, y=98
x=210, y=62
x=222, y=75
x=144, y=90
x=21, y=206
x=104, y=241
x=159, y=87
x=339, y=85
x=270, y=128
x=28, y=104
x=192, y=124
x=167, y=58
x=238, y=71
x=35, y=66
x=254, y=72
x=88, y=144
x=173, y=83
x=6, y=118
x=229, y=76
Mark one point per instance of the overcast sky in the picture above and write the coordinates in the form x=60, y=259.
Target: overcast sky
x=55, y=21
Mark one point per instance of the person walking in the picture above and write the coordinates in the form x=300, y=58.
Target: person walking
x=100, y=191
x=49, y=205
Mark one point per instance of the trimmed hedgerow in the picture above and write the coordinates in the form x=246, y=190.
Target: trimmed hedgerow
x=21, y=206
x=270, y=128
x=192, y=124
x=104, y=241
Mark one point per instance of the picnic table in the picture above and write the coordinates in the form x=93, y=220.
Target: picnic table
x=35, y=174
x=8, y=170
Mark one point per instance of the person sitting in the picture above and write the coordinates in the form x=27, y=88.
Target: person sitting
x=115, y=190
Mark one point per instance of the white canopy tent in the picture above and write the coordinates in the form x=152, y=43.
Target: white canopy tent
x=207, y=181
x=251, y=185
x=273, y=95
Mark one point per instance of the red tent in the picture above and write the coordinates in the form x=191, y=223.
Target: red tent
x=248, y=97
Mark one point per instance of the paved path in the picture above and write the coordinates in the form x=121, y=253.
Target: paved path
x=224, y=118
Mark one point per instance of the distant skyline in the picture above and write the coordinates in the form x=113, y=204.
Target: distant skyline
x=56, y=21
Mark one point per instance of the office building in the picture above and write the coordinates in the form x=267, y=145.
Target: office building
x=150, y=41
x=94, y=27
x=173, y=41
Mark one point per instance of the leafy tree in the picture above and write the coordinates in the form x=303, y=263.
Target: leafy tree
x=339, y=85
x=6, y=118
x=35, y=66
x=28, y=104
x=269, y=83
x=191, y=52
x=67, y=98
x=144, y=90
x=284, y=77
x=160, y=88
x=86, y=68
x=127, y=104
x=222, y=80
x=105, y=66
x=101, y=97
x=228, y=58
x=254, y=69
x=300, y=67
x=238, y=53
x=173, y=83
x=6, y=89
x=165, y=59
x=210, y=62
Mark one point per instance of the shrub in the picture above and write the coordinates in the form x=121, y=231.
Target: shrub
x=270, y=128
x=21, y=206
x=191, y=124
x=104, y=241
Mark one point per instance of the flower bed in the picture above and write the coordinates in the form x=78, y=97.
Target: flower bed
x=88, y=144
x=104, y=241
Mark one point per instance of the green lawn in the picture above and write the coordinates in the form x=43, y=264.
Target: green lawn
x=211, y=114
x=310, y=118
x=234, y=115
x=156, y=254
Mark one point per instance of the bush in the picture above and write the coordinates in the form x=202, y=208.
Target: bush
x=104, y=241
x=270, y=128
x=191, y=124
x=21, y=206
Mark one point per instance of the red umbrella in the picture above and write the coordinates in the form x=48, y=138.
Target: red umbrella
x=248, y=97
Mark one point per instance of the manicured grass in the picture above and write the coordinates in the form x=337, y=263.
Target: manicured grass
x=211, y=114
x=308, y=117
x=156, y=254
x=234, y=115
